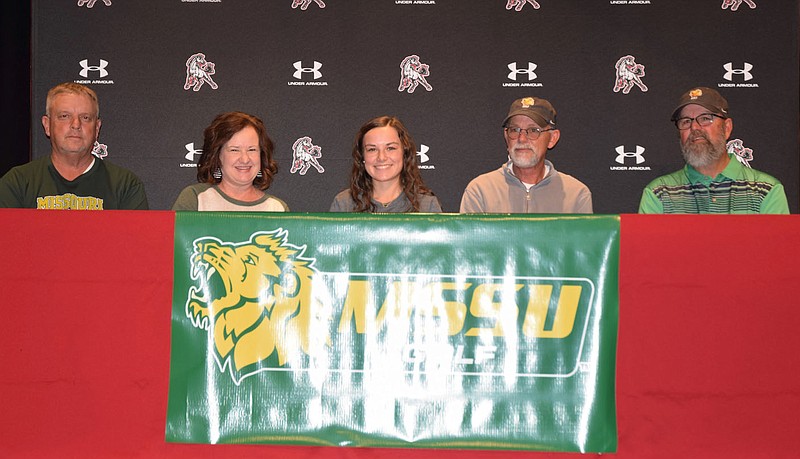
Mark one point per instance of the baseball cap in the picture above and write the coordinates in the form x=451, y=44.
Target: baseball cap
x=535, y=108
x=705, y=97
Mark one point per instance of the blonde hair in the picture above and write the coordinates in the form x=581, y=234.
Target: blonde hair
x=71, y=88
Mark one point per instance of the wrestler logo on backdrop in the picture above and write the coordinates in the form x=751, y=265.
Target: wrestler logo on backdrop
x=198, y=72
x=628, y=74
x=738, y=77
x=735, y=4
x=90, y=3
x=303, y=4
x=624, y=157
x=100, y=71
x=413, y=73
x=191, y=155
x=100, y=150
x=517, y=5
x=742, y=154
x=266, y=307
x=306, y=155
x=303, y=72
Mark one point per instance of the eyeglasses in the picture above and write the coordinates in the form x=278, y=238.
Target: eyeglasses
x=531, y=133
x=702, y=120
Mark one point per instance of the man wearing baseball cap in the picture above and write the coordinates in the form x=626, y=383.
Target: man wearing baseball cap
x=712, y=181
x=527, y=182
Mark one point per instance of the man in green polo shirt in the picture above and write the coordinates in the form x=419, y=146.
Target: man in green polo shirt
x=712, y=181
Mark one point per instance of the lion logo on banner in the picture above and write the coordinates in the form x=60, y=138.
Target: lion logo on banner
x=629, y=73
x=739, y=151
x=735, y=4
x=305, y=155
x=518, y=4
x=303, y=4
x=199, y=71
x=413, y=73
x=90, y=3
x=254, y=298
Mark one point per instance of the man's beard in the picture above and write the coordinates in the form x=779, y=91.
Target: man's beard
x=700, y=155
x=524, y=163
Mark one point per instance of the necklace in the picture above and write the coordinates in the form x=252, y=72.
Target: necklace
x=386, y=204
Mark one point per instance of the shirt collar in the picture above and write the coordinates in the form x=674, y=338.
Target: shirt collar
x=548, y=170
x=734, y=170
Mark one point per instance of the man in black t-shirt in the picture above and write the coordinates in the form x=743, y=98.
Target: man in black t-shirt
x=71, y=177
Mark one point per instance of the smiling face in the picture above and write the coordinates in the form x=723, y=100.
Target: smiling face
x=524, y=152
x=383, y=154
x=704, y=146
x=72, y=124
x=240, y=158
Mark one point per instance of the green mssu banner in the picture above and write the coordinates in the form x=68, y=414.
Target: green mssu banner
x=395, y=330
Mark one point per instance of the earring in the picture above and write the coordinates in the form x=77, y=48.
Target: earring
x=217, y=174
x=260, y=173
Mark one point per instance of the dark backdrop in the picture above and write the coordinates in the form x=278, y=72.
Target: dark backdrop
x=16, y=93
x=151, y=124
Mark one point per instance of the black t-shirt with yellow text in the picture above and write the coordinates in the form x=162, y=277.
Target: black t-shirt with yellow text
x=105, y=186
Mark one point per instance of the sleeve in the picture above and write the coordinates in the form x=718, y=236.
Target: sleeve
x=471, y=201
x=650, y=204
x=283, y=204
x=338, y=203
x=9, y=191
x=134, y=197
x=433, y=205
x=187, y=199
x=775, y=202
x=584, y=202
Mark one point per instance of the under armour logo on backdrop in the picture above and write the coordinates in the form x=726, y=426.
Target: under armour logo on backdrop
x=90, y=3
x=744, y=72
x=734, y=4
x=93, y=68
x=518, y=4
x=303, y=4
x=300, y=70
x=622, y=154
x=423, y=153
x=192, y=152
x=512, y=75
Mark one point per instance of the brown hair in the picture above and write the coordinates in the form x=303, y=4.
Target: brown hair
x=410, y=178
x=224, y=126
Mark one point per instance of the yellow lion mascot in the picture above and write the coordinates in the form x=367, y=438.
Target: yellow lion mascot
x=254, y=296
